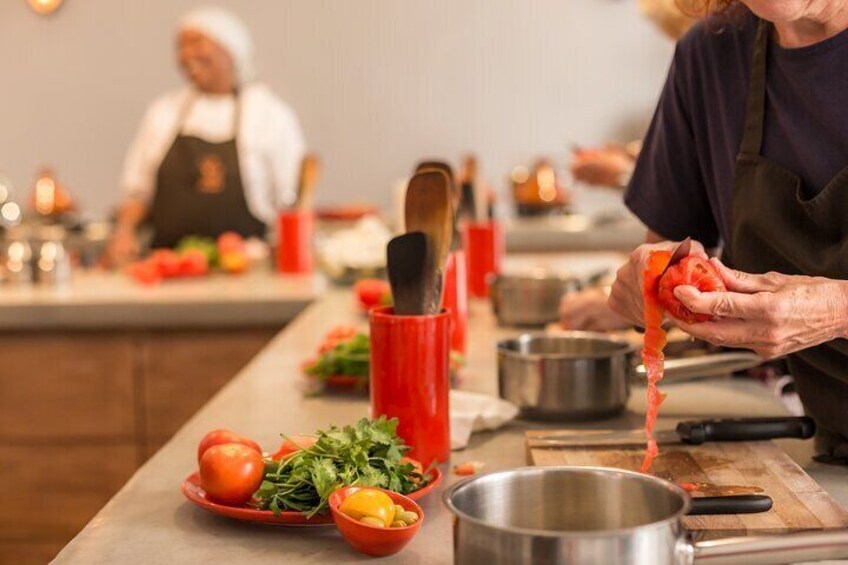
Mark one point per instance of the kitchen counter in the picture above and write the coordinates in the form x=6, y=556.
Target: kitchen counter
x=149, y=521
x=105, y=300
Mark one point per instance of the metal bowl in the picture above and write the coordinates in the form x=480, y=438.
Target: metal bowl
x=529, y=301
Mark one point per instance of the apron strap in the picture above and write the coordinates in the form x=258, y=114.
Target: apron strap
x=188, y=103
x=752, y=137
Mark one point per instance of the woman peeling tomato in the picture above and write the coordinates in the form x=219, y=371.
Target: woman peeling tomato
x=735, y=158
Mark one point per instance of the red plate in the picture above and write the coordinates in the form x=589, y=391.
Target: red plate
x=194, y=492
x=336, y=381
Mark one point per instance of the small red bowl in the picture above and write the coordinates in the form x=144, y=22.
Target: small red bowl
x=371, y=540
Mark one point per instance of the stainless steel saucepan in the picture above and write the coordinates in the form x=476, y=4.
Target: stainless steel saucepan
x=588, y=515
x=583, y=375
x=528, y=300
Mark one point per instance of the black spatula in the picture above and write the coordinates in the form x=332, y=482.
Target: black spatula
x=408, y=256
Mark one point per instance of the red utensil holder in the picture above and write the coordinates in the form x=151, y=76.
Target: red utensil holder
x=410, y=379
x=294, y=241
x=455, y=299
x=484, y=248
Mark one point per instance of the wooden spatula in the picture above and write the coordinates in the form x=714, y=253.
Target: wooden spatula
x=310, y=166
x=456, y=240
x=407, y=258
x=429, y=209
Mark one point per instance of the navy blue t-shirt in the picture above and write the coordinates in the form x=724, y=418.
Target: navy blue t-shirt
x=683, y=181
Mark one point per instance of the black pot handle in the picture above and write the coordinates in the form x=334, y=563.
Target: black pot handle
x=739, y=504
x=746, y=429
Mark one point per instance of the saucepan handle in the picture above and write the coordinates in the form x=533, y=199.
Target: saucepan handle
x=736, y=504
x=715, y=365
x=769, y=550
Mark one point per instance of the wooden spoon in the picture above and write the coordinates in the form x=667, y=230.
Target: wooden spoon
x=456, y=240
x=407, y=259
x=310, y=166
x=429, y=210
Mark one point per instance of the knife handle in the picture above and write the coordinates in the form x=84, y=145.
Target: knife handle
x=746, y=429
x=737, y=504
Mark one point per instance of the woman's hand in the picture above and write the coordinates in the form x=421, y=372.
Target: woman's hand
x=587, y=310
x=123, y=248
x=772, y=314
x=609, y=166
x=626, y=296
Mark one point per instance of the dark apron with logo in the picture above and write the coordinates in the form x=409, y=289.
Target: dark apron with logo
x=775, y=227
x=199, y=190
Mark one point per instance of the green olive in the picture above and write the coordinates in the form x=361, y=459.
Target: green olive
x=372, y=521
x=399, y=524
x=408, y=517
x=399, y=509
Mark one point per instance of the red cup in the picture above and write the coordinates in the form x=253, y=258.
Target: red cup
x=484, y=246
x=455, y=299
x=410, y=379
x=294, y=241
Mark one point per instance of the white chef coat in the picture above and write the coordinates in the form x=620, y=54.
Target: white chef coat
x=270, y=143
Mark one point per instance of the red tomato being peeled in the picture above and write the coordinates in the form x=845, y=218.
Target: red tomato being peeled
x=193, y=263
x=372, y=292
x=231, y=473
x=167, y=262
x=691, y=271
x=230, y=242
x=220, y=437
x=293, y=445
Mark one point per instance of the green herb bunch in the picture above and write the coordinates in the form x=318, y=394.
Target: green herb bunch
x=351, y=357
x=367, y=454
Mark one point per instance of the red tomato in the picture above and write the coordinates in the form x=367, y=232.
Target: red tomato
x=336, y=336
x=230, y=242
x=145, y=272
x=295, y=444
x=371, y=292
x=220, y=437
x=691, y=271
x=231, y=473
x=193, y=263
x=167, y=262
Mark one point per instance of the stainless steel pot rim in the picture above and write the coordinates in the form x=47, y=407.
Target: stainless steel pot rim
x=670, y=520
x=504, y=348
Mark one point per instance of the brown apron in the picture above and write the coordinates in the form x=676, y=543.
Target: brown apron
x=199, y=190
x=774, y=227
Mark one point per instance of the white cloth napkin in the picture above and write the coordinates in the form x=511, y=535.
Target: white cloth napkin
x=473, y=412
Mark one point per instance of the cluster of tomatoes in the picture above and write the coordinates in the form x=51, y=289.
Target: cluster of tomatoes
x=232, y=465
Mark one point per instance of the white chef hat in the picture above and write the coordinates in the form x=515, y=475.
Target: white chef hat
x=228, y=31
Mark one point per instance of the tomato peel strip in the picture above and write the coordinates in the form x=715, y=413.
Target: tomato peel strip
x=652, y=350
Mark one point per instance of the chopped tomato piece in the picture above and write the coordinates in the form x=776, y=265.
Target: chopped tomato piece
x=468, y=468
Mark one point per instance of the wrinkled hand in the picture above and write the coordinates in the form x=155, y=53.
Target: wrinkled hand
x=626, y=296
x=772, y=314
x=588, y=311
x=604, y=166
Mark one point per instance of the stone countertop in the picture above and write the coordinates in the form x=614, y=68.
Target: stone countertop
x=149, y=521
x=105, y=300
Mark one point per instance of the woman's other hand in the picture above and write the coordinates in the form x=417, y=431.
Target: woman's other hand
x=626, y=295
x=123, y=248
x=772, y=314
x=588, y=311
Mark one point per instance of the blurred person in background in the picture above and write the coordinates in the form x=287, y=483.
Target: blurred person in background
x=220, y=154
x=611, y=166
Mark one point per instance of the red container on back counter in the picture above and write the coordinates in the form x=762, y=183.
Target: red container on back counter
x=410, y=379
x=294, y=241
x=455, y=299
x=484, y=249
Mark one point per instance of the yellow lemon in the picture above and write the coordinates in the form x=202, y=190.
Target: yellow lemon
x=369, y=503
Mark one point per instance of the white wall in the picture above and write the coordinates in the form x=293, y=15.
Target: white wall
x=378, y=84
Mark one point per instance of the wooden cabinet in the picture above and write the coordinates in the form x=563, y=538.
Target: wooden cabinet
x=80, y=411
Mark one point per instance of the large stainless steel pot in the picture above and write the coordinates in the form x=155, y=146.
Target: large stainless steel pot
x=595, y=515
x=585, y=375
x=529, y=301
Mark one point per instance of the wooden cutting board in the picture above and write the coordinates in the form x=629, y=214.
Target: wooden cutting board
x=724, y=468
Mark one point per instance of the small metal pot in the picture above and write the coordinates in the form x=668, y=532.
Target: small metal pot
x=529, y=301
x=565, y=515
x=583, y=375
